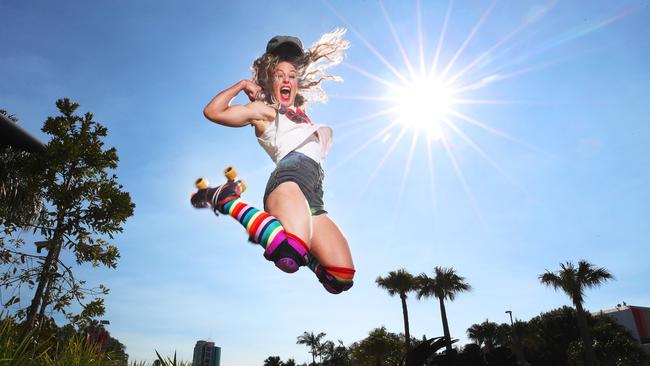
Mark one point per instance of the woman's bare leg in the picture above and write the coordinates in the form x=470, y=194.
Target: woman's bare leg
x=328, y=244
x=289, y=205
x=333, y=264
x=333, y=261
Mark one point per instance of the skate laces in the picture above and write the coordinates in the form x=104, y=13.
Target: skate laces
x=215, y=200
x=220, y=189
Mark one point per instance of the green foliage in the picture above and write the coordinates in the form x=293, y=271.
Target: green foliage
x=446, y=284
x=20, y=349
x=334, y=354
x=547, y=336
x=489, y=334
x=613, y=345
x=273, y=361
x=169, y=361
x=471, y=355
x=21, y=203
x=381, y=347
x=313, y=341
x=552, y=338
x=79, y=208
x=399, y=282
x=328, y=352
x=574, y=280
x=14, y=349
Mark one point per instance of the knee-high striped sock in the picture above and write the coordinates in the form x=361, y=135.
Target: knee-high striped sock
x=262, y=228
x=286, y=250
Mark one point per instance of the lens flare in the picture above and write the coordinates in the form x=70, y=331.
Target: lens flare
x=423, y=104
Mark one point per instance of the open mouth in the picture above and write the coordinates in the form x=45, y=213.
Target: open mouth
x=285, y=93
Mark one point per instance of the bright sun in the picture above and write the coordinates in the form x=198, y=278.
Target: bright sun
x=423, y=104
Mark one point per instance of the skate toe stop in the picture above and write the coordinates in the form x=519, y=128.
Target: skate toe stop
x=230, y=172
x=201, y=183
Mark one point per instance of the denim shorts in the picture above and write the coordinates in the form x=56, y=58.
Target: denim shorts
x=306, y=173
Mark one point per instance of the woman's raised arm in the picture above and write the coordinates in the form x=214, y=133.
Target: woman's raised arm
x=220, y=111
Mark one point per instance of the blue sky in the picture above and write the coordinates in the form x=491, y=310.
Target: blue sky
x=572, y=182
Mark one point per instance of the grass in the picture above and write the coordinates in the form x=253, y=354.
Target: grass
x=25, y=350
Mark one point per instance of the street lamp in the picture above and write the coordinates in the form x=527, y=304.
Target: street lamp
x=515, y=342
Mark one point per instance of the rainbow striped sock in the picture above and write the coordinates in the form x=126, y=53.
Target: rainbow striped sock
x=262, y=227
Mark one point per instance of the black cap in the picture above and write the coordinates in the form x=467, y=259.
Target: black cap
x=287, y=47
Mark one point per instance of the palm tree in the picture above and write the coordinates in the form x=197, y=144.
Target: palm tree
x=312, y=341
x=488, y=335
x=573, y=281
x=445, y=285
x=273, y=361
x=399, y=282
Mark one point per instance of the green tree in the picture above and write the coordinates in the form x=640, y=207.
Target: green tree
x=545, y=338
x=400, y=283
x=445, y=285
x=21, y=203
x=83, y=207
x=489, y=336
x=273, y=361
x=335, y=354
x=614, y=345
x=573, y=281
x=470, y=355
x=379, y=348
x=313, y=341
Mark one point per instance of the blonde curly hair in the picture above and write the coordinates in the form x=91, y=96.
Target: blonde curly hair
x=310, y=68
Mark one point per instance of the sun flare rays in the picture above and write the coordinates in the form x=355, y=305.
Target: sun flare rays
x=429, y=97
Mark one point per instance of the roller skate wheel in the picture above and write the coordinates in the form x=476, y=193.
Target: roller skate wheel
x=230, y=173
x=242, y=185
x=201, y=183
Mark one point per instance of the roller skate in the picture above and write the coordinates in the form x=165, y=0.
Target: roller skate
x=216, y=197
x=288, y=252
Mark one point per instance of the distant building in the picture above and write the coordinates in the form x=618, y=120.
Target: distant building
x=206, y=354
x=635, y=318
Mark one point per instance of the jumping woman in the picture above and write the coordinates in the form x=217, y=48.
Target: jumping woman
x=294, y=228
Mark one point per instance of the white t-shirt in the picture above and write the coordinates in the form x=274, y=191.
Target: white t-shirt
x=284, y=136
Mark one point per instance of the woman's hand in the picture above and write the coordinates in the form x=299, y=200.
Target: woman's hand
x=251, y=89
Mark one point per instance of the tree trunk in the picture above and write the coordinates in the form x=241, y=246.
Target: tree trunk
x=45, y=276
x=445, y=326
x=38, y=294
x=46, y=300
x=48, y=289
x=406, y=323
x=590, y=356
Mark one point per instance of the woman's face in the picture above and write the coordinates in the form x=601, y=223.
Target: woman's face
x=285, y=83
